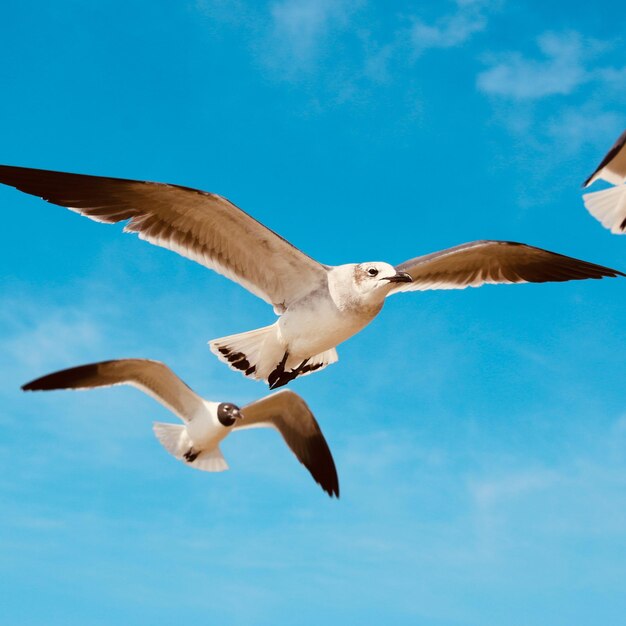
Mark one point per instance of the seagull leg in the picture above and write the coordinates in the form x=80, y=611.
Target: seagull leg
x=301, y=368
x=275, y=379
x=191, y=455
x=284, y=377
x=304, y=367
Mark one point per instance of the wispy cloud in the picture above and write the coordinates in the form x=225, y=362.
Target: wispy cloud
x=452, y=29
x=575, y=127
x=299, y=29
x=559, y=99
x=345, y=42
x=64, y=335
x=559, y=70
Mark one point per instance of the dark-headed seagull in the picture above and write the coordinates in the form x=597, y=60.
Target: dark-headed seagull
x=609, y=205
x=205, y=423
x=319, y=305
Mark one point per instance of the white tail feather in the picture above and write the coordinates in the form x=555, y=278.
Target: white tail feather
x=258, y=353
x=254, y=353
x=210, y=461
x=173, y=438
x=608, y=207
x=176, y=441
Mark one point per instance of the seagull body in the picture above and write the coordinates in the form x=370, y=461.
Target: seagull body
x=206, y=423
x=609, y=205
x=319, y=306
x=304, y=337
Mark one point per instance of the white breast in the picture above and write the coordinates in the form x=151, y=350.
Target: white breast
x=204, y=429
x=325, y=318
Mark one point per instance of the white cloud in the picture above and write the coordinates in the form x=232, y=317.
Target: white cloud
x=63, y=337
x=561, y=69
x=299, y=29
x=573, y=128
x=560, y=102
x=450, y=30
x=496, y=490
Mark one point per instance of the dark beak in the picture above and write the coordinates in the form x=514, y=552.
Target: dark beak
x=237, y=414
x=400, y=277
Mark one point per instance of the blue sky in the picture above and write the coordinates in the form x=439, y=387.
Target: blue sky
x=480, y=435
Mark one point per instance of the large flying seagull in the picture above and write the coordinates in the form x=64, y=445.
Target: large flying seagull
x=609, y=205
x=319, y=305
x=206, y=423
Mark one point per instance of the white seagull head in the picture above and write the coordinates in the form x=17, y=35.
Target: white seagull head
x=376, y=278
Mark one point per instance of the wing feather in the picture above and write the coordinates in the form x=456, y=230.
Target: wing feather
x=495, y=262
x=201, y=226
x=289, y=414
x=151, y=377
x=615, y=177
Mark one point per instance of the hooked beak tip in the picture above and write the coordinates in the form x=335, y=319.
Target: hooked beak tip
x=400, y=277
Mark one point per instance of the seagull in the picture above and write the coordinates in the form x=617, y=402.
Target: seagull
x=609, y=205
x=319, y=306
x=206, y=423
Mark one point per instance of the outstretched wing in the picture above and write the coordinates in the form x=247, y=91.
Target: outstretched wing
x=289, y=414
x=152, y=377
x=494, y=262
x=613, y=164
x=201, y=226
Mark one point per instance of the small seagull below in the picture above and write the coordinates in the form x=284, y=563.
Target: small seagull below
x=206, y=423
x=319, y=305
x=609, y=205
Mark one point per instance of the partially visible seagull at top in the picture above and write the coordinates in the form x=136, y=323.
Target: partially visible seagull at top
x=609, y=205
x=319, y=305
x=206, y=423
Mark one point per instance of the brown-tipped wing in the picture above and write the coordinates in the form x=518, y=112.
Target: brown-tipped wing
x=201, y=226
x=289, y=414
x=494, y=262
x=616, y=169
x=152, y=377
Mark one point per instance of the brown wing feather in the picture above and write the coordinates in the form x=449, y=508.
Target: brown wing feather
x=495, y=262
x=152, y=377
x=201, y=226
x=291, y=416
x=610, y=155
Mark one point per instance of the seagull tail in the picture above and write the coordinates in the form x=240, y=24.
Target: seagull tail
x=608, y=207
x=176, y=441
x=253, y=353
x=259, y=354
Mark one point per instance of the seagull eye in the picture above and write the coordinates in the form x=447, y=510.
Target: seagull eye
x=372, y=271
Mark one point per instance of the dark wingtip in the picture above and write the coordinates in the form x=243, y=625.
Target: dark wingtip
x=615, y=149
x=325, y=474
x=71, y=378
x=38, y=384
x=588, y=180
x=330, y=482
x=611, y=273
x=332, y=490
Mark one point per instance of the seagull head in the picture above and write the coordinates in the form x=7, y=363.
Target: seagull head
x=378, y=277
x=228, y=413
